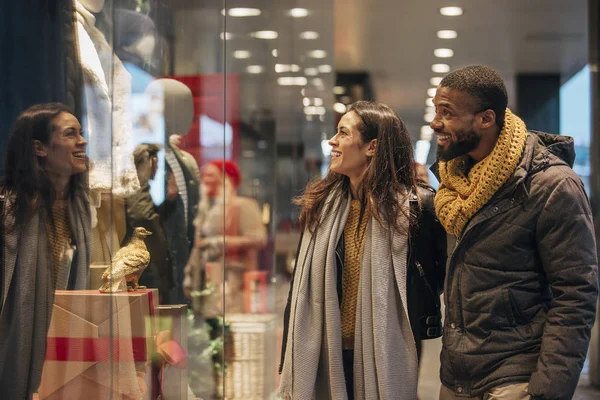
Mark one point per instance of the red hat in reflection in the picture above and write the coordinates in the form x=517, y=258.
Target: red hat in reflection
x=231, y=170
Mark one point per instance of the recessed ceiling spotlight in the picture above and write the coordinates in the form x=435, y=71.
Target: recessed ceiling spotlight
x=279, y=68
x=309, y=35
x=443, y=53
x=314, y=110
x=339, y=90
x=265, y=35
x=447, y=34
x=431, y=92
x=317, y=101
x=274, y=52
x=255, y=69
x=292, y=81
x=306, y=101
x=429, y=117
x=339, y=108
x=298, y=12
x=451, y=11
x=241, y=54
x=440, y=68
x=429, y=102
x=317, y=54
x=244, y=12
x=311, y=71
x=429, y=110
x=226, y=35
x=435, y=81
x=325, y=68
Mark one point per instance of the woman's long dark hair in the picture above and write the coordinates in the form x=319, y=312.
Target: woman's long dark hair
x=26, y=179
x=388, y=179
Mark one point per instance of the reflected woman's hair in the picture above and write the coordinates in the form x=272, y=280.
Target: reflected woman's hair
x=388, y=175
x=25, y=176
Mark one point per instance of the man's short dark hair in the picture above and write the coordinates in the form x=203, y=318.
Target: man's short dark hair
x=483, y=83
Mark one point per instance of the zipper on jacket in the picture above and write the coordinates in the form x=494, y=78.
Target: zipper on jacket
x=422, y=273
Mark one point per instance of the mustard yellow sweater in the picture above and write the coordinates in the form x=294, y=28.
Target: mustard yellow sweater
x=354, y=245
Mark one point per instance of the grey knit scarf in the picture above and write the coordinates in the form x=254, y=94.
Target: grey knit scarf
x=385, y=359
x=28, y=295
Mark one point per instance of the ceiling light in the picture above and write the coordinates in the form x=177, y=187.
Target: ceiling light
x=339, y=108
x=317, y=101
x=440, y=68
x=264, y=35
x=443, y=53
x=435, y=81
x=298, y=12
x=314, y=110
x=339, y=90
x=274, y=52
x=317, y=54
x=241, y=54
x=431, y=92
x=447, y=34
x=306, y=101
x=243, y=12
x=311, y=71
x=429, y=102
x=317, y=82
x=309, y=35
x=429, y=117
x=292, y=81
x=255, y=69
x=303, y=92
x=429, y=110
x=226, y=35
x=325, y=69
x=451, y=11
x=426, y=132
x=279, y=68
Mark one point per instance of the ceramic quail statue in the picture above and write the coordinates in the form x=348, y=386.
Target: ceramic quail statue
x=128, y=264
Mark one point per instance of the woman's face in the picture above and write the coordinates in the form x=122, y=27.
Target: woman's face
x=212, y=179
x=349, y=154
x=65, y=153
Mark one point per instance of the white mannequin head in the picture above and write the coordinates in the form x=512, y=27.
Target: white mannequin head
x=178, y=104
x=94, y=6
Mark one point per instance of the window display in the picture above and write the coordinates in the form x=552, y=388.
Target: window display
x=147, y=263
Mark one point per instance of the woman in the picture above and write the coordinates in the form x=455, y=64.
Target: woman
x=229, y=231
x=347, y=330
x=46, y=226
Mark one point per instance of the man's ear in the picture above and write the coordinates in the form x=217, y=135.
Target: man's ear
x=372, y=147
x=488, y=118
x=39, y=149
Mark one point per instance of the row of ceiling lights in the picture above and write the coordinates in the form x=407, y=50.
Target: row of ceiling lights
x=270, y=35
x=424, y=144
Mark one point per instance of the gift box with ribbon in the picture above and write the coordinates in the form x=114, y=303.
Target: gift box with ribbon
x=99, y=346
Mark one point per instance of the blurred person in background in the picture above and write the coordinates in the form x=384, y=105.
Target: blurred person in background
x=422, y=175
x=522, y=282
x=45, y=241
x=142, y=212
x=369, y=230
x=229, y=234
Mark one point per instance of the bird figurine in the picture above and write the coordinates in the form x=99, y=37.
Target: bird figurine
x=128, y=264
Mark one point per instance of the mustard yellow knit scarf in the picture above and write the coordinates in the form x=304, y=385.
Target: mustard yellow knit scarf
x=461, y=195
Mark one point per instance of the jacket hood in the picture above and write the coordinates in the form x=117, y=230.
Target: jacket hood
x=562, y=147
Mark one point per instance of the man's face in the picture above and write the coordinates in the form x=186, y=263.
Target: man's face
x=454, y=123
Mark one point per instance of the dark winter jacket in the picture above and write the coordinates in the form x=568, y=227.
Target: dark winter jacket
x=522, y=284
x=426, y=261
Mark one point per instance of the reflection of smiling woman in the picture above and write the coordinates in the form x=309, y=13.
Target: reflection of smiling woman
x=45, y=236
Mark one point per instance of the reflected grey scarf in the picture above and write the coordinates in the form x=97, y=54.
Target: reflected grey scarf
x=28, y=295
x=385, y=357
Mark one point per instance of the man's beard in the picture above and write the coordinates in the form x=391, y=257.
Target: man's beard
x=469, y=142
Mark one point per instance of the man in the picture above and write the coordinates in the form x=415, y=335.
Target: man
x=521, y=284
